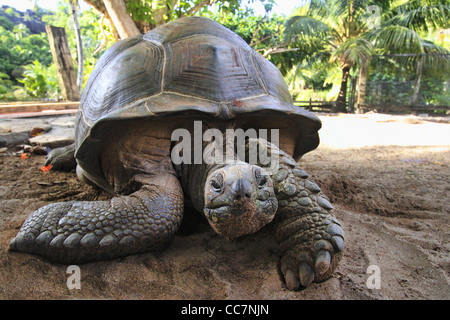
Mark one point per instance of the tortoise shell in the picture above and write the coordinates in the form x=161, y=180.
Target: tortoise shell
x=189, y=66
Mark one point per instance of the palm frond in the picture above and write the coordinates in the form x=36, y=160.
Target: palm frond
x=321, y=58
x=348, y=8
x=298, y=76
x=354, y=51
x=319, y=8
x=436, y=56
x=304, y=26
x=408, y=46
x=421, y=15
x=396, y=39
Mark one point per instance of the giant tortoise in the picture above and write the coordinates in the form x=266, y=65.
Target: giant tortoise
x=189, y=71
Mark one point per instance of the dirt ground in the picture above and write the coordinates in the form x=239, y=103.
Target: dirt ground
x=393, y=202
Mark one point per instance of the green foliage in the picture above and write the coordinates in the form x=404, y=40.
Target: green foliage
x=342, y=30
x=26, y=60
x=91, y=26
x=142, y=9
x=420, y=15
x=40, y=81
x=152, y=13
x=309, y=48
x=6, y=87
x=6, y=23
x=20, y=48
x=12, y=12
x=394, y=76
x=337, y=27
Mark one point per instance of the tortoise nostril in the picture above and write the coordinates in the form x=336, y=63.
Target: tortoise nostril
x=244, y=195
x=242, y=190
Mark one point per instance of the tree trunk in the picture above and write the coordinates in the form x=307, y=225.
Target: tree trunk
x=79, y=47
x=159, y=11
x=352, y=97
x=121, y=19
x=415, y=96
x=342, y=98
x=100, y=8
x=362, y=79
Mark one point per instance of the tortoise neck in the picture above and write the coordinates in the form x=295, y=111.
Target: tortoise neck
x=193, y=175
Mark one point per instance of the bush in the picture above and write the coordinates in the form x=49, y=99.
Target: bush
x=6, y=87
x=40, y=81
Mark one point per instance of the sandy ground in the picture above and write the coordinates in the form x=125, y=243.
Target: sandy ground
x=387, y=176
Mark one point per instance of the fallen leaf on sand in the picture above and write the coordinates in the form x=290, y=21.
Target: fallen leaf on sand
x=46, y=168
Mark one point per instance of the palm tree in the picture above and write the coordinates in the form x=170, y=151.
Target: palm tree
x=399, y=34
x=350, y=36
x=340, y=25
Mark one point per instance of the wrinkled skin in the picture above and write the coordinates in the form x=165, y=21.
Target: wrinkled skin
x=239, y=199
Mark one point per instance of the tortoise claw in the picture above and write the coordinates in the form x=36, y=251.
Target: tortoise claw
x=306, y=274
x=323, y=261
x=301, y=265
x=292, y=281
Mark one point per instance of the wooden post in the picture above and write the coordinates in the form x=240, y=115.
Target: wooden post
x=63, y=62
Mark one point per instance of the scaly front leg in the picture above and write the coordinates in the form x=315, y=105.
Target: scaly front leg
x=310, y=237
x=84, y=231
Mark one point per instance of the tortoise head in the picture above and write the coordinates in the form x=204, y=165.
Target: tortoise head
x=239, y=199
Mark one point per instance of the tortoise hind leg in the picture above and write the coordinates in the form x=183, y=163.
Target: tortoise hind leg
x=83, y=231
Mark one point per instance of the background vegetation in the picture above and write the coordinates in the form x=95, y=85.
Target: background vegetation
x=319, y=48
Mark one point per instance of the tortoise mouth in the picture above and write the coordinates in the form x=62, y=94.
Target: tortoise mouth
x=245, y=216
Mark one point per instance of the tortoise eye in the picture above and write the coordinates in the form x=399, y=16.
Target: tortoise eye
x=217, y=182
x=260, y=178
